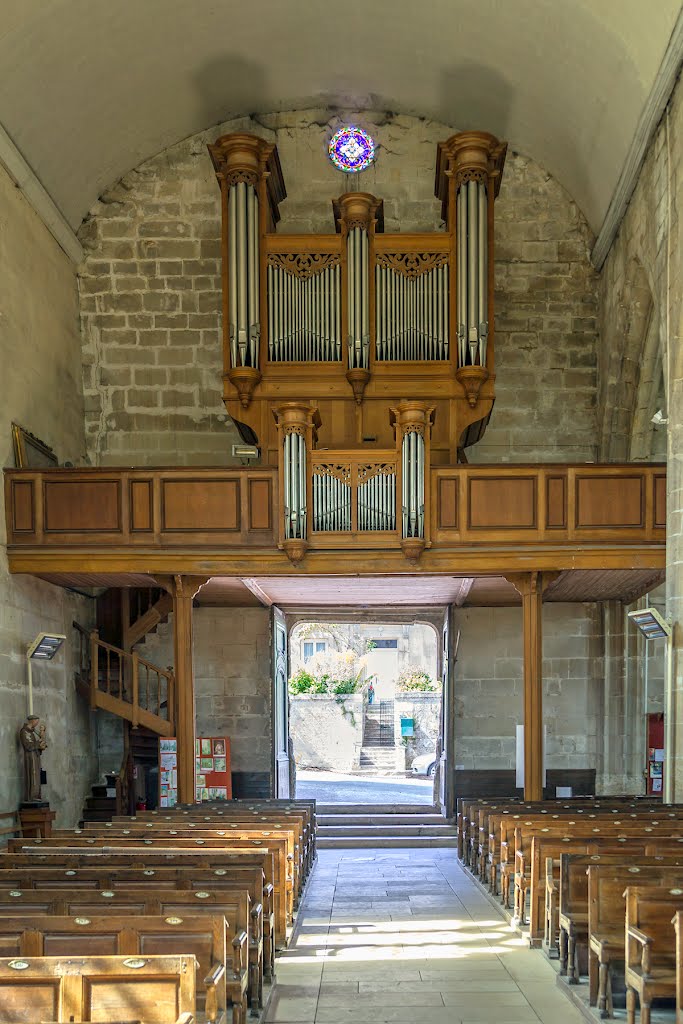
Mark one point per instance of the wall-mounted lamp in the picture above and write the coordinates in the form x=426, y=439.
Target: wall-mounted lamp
x=654, y=627
x=650, y=623
x=43, y=648
x=246, y=452
x=659, y=419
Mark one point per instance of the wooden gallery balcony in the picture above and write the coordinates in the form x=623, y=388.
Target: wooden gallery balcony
x=132, y=523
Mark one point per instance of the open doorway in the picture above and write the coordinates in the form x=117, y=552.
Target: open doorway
x=365, y=711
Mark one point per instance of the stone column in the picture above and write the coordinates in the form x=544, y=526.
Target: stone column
x=674, y=574
x=621, y=763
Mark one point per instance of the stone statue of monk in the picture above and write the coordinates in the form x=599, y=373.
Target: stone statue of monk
x=32, y=737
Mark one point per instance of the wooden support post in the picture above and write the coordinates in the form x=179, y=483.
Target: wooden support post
x=530, y=587
x=183, y=590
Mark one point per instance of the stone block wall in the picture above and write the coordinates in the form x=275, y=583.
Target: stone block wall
x=150, y=292
x=232, y=680
x=425, y=710
x=327, y=732
x=489, y=686
x=41, y=380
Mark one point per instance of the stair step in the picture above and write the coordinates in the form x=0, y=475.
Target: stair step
x=407, y=831
x=99, y=790
x=380, y=819
x=98, y=815
x=101, y=803
x=322, y=809
x=384, y=842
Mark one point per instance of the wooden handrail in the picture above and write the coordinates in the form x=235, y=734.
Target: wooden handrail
x=129, y=667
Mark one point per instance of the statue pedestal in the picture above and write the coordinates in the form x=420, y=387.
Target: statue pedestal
x=36, y=820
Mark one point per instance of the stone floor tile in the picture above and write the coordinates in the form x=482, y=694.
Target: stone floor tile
x=394, y=936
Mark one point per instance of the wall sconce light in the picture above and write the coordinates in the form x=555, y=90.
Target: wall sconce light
x=246, y=452
x=43, y=648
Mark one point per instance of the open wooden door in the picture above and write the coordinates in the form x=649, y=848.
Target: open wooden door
x=450, y=639
x=280, y=669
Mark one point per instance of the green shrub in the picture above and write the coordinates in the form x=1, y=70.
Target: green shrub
x=415, y=679
x=345, y=686
x=304, y=682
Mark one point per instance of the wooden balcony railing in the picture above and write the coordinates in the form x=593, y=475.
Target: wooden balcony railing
x=165, y=520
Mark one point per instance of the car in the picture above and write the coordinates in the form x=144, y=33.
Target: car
x=424, y=764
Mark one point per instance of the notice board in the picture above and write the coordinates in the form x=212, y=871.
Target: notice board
x=168, y=771
x=213, y=779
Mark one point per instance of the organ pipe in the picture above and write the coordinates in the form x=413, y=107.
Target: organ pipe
x=411, y=315
x=294, y=458
x=472, y=272
x=304, y=316
x=413, y=471
x=358, y=298
x=243, y=274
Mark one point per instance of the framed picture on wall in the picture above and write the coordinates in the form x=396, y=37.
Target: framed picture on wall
x=30, y=452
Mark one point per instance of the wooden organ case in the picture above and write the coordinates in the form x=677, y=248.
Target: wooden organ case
x=359, y=358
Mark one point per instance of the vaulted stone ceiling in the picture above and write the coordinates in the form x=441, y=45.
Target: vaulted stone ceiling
x=89, y=89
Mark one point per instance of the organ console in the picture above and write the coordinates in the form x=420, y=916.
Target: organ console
x=359, y=358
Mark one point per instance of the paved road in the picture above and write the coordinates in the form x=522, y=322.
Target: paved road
x=335, y=788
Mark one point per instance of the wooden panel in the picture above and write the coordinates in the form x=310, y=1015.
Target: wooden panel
x=660, y=501
x=88, y=506
x=609, y=501
x=23, y=511
x=200, y=505
x=260, y=505
x=141, y=505
x=502, y=503
x=447, y=506
x=556, y=499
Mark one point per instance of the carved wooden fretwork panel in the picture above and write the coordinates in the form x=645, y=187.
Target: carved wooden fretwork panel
x=303, y=264
x=369, y=472
x=412, y=264
x=342, y=473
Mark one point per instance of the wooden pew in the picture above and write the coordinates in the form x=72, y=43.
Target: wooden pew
x=606, y=917
x=270, y=820
x=650, y=968
x=152, y=853
x=548, y=847
x=201, y=832
x=97, y=988
x=624, y=829
x=204, y=937
x=260, y=933
x=89, y=904
x=677, y=922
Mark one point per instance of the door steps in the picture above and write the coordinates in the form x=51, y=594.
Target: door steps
x=354, y=826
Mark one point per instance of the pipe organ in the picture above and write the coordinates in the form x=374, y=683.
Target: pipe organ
x=359, y=358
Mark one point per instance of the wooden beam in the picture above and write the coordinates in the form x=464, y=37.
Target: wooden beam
x=464, y=587
x=183, y=590
x=530, y=587
x=254, y=588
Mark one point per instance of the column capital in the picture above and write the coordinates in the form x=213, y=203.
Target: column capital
x=529, y=584
x=178, y=585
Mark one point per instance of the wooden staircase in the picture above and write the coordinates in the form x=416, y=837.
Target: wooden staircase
x=124, y=684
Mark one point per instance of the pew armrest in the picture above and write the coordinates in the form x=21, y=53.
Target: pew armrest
x=214, y=1005
x=257, y=919
x=185, y=1018
x=239, y=945
x=645, y=942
